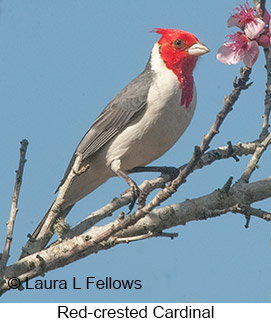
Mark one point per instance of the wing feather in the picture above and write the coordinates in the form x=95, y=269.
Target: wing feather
x=117, y=115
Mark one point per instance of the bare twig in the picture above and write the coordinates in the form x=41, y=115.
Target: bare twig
x=263, y=6
x=134, y=238
x=45, y=233
x=248, y=211
x=267, y=100
x=244, y=209
x=147, y=235
x=252, y=164
x=56, y=208
x=168, y=235
x=264, y=215
x=14, y=209
x=225, y=152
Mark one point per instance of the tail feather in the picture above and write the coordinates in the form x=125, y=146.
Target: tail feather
x=36, y=243
x=62, y=214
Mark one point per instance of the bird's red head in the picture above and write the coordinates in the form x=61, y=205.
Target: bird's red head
x=174, y=44
x=180, y=50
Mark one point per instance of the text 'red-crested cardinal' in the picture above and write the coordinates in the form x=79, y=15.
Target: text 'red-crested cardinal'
x=143, y=121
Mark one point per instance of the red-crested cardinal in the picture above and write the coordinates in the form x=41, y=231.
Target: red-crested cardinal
x=143, y=121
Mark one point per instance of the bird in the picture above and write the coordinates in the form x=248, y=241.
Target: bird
x=142, y=122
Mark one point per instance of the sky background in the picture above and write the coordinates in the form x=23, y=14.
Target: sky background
x=61, y=62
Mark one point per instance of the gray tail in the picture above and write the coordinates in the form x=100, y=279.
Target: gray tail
x=62, y=214
x=29, y=247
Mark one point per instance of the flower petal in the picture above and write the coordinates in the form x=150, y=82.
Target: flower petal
x=227, y=55
x=234, y=22
x=254, y=28
x=251, y=54
x=244, y=14
x=266, y=16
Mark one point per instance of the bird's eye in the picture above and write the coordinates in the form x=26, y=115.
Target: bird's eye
x=178, y=43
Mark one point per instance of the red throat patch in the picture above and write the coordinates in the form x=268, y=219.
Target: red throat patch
x=174, y=45
x=183, y=70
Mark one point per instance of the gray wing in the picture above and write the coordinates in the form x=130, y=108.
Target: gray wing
x=119, y=113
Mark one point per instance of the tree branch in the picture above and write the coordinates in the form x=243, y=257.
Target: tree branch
x=200, y=208
x=14, y=209
x=45, y=232
x=267, y=100
x=252, y=164
x=248, y=211
x=263, y=6
x=207, y=159
x=147, y=235
x=70, y=250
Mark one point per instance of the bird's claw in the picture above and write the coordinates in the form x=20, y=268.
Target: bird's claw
x=135, y=194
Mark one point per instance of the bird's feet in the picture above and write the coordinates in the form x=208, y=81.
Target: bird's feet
x=133, y=188
x=136, y=193
x=172, y=172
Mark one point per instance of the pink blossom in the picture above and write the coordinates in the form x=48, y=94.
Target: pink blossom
x=246, y=20
x=255, y=31
x=244, y=15
x=264, y=40
x=238, y=47
x=254, y=28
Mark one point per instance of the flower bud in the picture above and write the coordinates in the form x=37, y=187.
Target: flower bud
x=264, y=41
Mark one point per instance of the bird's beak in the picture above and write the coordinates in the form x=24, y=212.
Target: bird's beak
x=198, y=49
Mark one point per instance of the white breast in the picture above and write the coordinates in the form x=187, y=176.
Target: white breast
x=160, y=127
